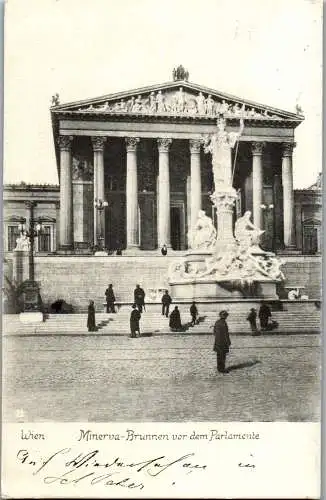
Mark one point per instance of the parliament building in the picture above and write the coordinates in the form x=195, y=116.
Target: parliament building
x=133, y=174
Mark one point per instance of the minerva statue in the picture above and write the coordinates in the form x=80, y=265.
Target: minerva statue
x=245, y=232
x=203, y=235
x=220, y=146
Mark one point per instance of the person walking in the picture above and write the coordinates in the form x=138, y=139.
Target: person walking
x=134, y=321
x=222, y=341
x=91, y=325
x=252, y=318
x=264, y=315
x=193, y=313
x=110, y=299
x=139, y=298
x=175, y=320
x=166, y=302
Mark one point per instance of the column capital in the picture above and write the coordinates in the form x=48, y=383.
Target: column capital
x=194, y=145
x=257, y=148
x=64, y=142
x=287, y=148
x=98, y=143
x=164, y=145
x=131, y=143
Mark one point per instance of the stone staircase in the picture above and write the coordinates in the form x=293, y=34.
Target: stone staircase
x=301, y=317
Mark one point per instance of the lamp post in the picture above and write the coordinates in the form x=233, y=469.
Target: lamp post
x=100, y=205
x=32, y=231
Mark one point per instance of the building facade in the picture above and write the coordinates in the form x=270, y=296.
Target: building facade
x=142, y=153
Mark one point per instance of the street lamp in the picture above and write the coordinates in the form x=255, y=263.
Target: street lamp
x=100, y=205
x=31, y=231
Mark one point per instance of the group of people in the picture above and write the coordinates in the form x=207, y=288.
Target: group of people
x=175, y=324
x=264, y=315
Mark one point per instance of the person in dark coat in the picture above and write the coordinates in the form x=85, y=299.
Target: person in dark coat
x=110, y=299
x=164, y=249
x=193, y=313
x=264, y=315
x=166, y=301
x=134, y=321
x=175, y=320
x=222, y=341
x=139, y=298
x=252, y=318
x=91, y=325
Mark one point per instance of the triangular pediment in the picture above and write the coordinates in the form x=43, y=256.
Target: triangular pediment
x=178, y=98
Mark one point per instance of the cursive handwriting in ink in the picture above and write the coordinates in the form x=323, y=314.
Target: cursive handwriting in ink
x=246, y=464
x=68, y=467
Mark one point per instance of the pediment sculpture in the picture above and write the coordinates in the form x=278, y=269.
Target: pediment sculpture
x=180, y=102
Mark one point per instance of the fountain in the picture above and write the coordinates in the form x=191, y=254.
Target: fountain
x=221, y=264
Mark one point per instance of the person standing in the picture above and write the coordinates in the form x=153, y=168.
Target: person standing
x=264, y=315
x=164, y=249
x=175, y=320
x=222, y=341
x=110, y=299
x=166, y=302
x=252, y=318
x=134, y=321
x=91, y=325
x=193, y=313
x=139, y=298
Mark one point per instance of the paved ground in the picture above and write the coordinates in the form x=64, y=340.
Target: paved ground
x=81, y=378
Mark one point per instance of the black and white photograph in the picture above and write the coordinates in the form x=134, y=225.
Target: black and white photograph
x=162, y=213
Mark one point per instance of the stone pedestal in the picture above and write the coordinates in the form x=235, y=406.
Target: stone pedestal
x=224, y=202
x=267, y=290
x=202, y=290
x=20, y=266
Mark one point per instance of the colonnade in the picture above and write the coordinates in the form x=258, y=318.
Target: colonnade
x=163, y=216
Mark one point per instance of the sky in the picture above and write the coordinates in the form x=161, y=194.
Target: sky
x=268, y=51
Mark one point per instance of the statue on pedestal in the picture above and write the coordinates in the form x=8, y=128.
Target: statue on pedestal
x=23, y=243
x=245, y=232
x=203, y=235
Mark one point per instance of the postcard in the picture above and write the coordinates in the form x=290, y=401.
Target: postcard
x=162, y=205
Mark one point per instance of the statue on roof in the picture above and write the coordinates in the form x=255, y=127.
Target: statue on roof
x=180, y=73
x=55, y=100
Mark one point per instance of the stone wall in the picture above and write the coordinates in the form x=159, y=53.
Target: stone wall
x=79, y=279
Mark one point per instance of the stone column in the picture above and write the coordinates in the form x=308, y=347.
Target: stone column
x=288, y=195
x=257, y=183
x=66, y=214
x=224, y=202
x=98, y=149
x=195, y=183
x=132, y=194
x=163, y=222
